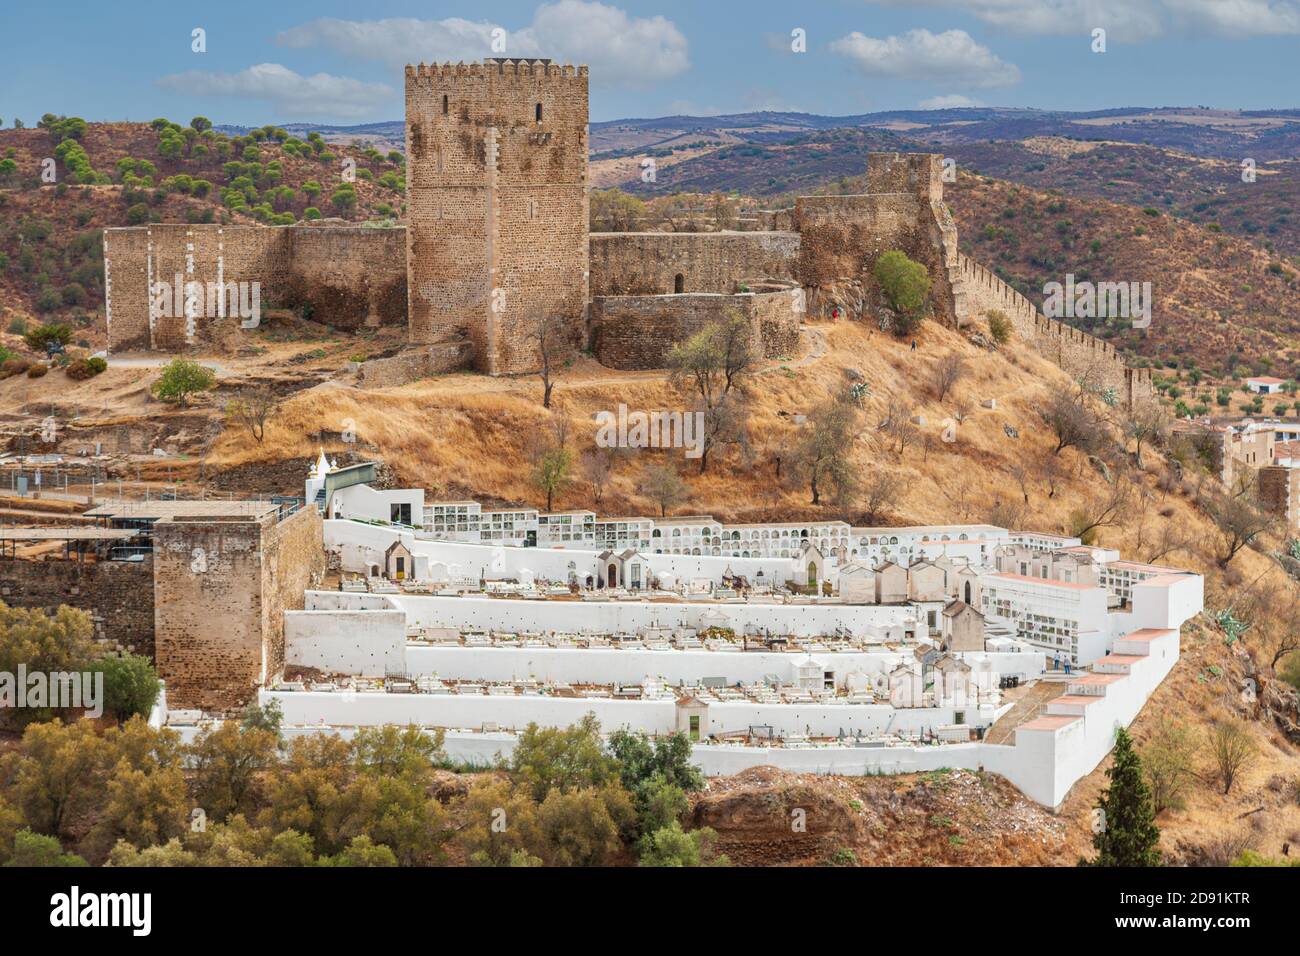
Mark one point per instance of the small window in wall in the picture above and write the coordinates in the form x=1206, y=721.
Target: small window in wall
x=539, y=112
x=444, y=105
x=679, y=284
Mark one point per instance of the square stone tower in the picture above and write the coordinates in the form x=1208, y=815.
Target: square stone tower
x=496, y=193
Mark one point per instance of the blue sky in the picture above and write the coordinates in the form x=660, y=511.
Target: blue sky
x=331, y=61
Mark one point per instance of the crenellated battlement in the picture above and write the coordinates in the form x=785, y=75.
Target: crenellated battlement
x=1074, y=350
x=531, y=69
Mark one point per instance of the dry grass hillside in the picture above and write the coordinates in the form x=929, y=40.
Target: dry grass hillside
x=1220, y=301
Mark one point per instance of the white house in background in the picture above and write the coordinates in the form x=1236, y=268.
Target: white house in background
x=1265, y=385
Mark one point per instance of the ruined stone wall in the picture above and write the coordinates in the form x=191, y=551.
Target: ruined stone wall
x=1078, y=353
x=415, y=362
x=118, y=596
x=349, y=276
x=648, y=263
x=221, y=586
x=1279, y=493
x=496, y=205
x=637, y=332
x=842, y=236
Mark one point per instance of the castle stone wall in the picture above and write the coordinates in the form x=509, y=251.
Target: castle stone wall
x=1081, y=355
x=496, y=205
x=648, y=263
x=221, y=585
x=118, y=596
x=638, y=331
x=349, y=277
x=842, y=236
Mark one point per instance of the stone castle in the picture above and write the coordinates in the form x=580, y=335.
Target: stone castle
x=497, y=239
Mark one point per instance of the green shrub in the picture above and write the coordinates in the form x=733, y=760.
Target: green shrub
x=83, y=368
x=131, y=686
x=182, y=378
x=906, y=286
x=40, y=338
x=999, y=327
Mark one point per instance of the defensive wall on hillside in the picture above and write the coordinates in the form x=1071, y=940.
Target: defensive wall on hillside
x=345, y=276
x=663, y=263
x=1078, y=353
x=638, y=331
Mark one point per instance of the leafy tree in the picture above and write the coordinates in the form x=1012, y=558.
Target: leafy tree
x=57, y=775
x=145, y=799
x=201, y=123
x=43, y=336
x=363, y=851
x=499, y=825
x=672, y=846
x=999, y=326
x=182, y=378
x=34, y=850
x=583, y=827
x=227, y=762
x=906, y=286
x=131, y=685
x=267, y=717
x=1127, y=834
x=553, y=758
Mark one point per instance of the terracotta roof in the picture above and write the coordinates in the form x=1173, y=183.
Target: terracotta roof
x=1147, y=634
x=1096, y=678
x=1049, y=722
x=1081, y=700
x=1119, y=659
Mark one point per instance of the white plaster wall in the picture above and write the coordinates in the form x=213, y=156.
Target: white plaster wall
x=361, y=545
x=609, y=617
x=363, y=643
x=599, y=665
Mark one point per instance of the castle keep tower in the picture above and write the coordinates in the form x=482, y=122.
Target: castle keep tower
x=496, y=185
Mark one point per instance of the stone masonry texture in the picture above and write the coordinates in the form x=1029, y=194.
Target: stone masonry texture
x=496, y=205
x=221, y=587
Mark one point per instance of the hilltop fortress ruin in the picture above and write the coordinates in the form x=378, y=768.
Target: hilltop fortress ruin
x=497, y=236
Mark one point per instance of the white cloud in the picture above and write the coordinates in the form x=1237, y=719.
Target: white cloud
x=951, y=56
x=1238, y=17
x=950, y=102
x=290, y=93
x=1128, y=20
x=619, y=49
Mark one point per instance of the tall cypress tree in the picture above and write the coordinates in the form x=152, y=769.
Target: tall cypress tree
x=1127, y=834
